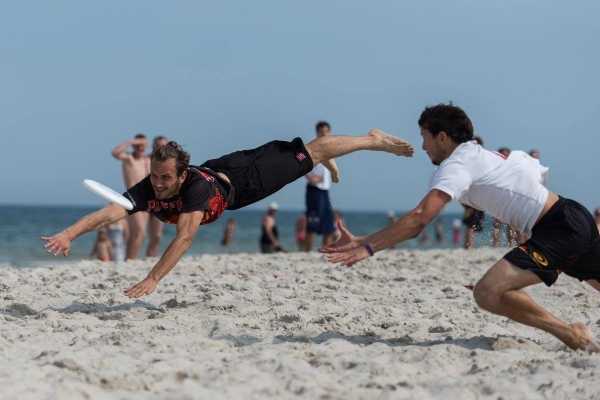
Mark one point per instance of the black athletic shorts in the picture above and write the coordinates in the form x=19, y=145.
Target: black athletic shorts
x=565, y=240
x=260, y=172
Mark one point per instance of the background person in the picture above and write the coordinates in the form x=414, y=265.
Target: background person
x=319, y=212
x=228, y=232
x=102, y=249
x=135, y=166
x=269, y=238
x=118, y=233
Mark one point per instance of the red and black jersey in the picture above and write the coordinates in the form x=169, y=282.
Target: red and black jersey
x=201, y=191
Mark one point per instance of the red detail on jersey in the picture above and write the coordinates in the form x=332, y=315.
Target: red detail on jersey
x=216, y=207
x=300, y=157
x=157, y=205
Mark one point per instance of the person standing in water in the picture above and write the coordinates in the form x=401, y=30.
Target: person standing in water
x=269, y=238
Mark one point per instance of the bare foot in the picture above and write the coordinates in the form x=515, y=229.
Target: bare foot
x=391, y=144
x=582, y=338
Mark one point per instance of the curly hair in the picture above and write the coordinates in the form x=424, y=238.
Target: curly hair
x=173, y=150
x=447, y=118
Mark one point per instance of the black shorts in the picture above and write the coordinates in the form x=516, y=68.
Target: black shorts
x=565, y=240
x=319, y=213
x=260, y=172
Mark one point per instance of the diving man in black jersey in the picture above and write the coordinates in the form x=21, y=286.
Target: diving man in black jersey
x=190, y=196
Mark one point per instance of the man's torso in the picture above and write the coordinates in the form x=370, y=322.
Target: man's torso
x=135, y=169
x=200, y=191
x=508, y=189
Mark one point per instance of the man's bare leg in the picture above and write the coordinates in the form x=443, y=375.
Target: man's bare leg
x=594, y=283
x=137, y=230
x=155, y=230
x=499, y=292
x=308, y=241
x=332, y=146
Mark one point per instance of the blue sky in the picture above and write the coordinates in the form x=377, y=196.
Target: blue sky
x=79, y=77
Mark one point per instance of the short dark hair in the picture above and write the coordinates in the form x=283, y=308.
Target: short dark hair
x=448, y=118
x=478, y=139
x=173, y=150
x=322, y=124
x=140, y=136
x=156, y=140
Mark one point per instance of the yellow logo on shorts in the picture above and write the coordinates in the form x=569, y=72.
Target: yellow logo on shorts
x=539, y=258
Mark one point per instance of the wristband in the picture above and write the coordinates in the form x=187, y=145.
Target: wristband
x=369, y=249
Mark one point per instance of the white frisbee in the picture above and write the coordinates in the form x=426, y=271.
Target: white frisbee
x=107, y=193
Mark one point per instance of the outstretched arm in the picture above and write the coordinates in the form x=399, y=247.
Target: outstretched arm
x=407, y=227
x=60, y=243
x=187, y=227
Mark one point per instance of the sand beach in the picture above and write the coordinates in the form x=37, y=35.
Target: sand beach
x=400, y=325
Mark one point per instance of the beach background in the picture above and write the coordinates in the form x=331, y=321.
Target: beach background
x=22, y=226
x=78, y=78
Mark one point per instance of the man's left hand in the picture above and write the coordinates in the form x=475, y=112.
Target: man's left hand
x=348, y=257
x=143, y=288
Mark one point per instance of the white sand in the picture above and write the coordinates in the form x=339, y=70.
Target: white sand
x=400, y=325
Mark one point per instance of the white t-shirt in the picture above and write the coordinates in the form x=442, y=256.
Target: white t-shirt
x=320, y=170
x=510, y=190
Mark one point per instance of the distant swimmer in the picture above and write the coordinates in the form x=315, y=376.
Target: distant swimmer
x=562, y=234
x=190, y=196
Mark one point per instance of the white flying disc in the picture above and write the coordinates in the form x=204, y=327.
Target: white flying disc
x=107, y=193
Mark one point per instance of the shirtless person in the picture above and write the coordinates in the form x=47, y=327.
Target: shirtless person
x=562, y=234
x=136, y=166
x=190, y=196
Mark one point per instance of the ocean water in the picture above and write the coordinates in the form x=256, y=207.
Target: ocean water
x=22, y=226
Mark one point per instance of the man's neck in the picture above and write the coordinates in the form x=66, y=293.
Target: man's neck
x=450, y=149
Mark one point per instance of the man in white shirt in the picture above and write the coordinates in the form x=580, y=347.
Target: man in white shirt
x=319, y=212
x=562, y=234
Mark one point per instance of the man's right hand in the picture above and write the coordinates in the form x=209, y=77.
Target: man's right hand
x=57, y=244
x=347, y=241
